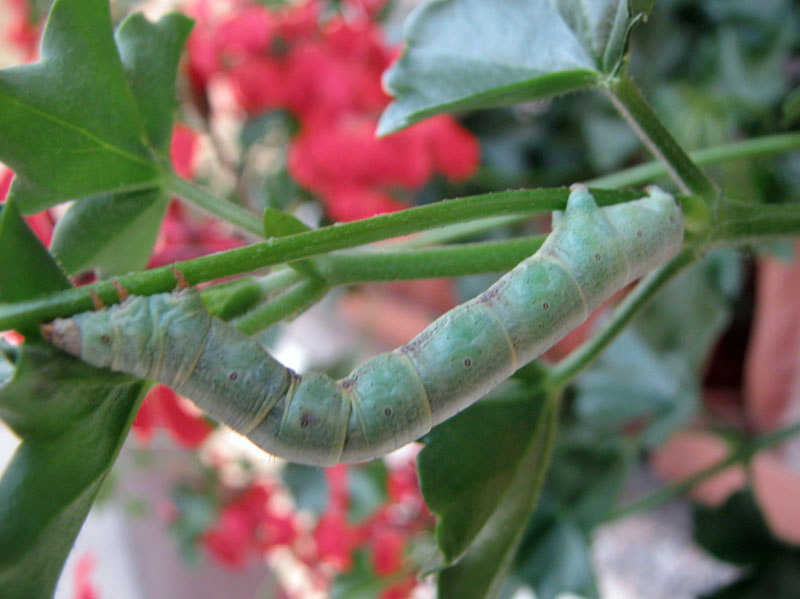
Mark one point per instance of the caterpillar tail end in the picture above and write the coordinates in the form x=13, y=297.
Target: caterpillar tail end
x=64, y=334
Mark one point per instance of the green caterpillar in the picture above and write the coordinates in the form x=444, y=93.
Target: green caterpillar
x=395, y=397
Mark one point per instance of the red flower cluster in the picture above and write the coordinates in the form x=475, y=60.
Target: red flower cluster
x=248, y=525
x=327, y=73
x=20, y=31
x=386, y=533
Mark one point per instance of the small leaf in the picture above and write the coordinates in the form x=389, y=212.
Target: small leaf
x=278, y=223
x=112, y=233
x=69, y=124
x=27, y=270
x=505, y=444
x=466, y=54
x=72, y=419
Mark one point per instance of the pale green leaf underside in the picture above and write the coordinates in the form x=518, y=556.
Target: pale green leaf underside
x=463, y=54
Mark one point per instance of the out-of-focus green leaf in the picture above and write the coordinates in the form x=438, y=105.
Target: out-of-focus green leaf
x=558, y=562
x=72, y=419
x=308, y=487
x=505, y=441
x=366, y=485
x=70, y=124
x=736, y=532
x=633, y=386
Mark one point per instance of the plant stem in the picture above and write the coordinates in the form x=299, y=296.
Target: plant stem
x=668, y=492
x=227, y=211
x=740, y=222
x=749, y=148
x=563, y=372
x=286, y=305
x=338, y=268
x=629, y=101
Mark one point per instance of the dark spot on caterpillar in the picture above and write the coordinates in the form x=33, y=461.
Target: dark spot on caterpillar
x=545, y=305
x=349, y=382
x=305, y=420
x=234, y=376
x=387, y=410
x=638, y=233
x=467, y=362
x=597, y=257
x=105, y=339
x=671, y=219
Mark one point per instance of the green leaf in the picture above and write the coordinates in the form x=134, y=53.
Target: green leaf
x=558, y=561
x=748, y=542
x=150, y=53
x=773, y=567
x=505, y=444
x=112, y=233
x=308, y=487
x=466, y=54
x=115, y=232
x=70, y=126
x=366, y=485
x=278, y=223
x=26, y=268
x=72, y=419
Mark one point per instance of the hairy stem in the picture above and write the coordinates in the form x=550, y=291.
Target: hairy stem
x=336, y=270
x=629, y=101
x=668, y=492
x=287, y=305
x=227, y=211
x=563, y=372
x=749, y=148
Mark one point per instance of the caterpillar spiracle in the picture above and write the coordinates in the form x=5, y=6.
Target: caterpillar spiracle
x=395, y=397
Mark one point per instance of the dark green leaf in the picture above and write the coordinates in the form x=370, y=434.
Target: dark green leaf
x=558, y=561
x=26, y=268
x=308, y=487
x=367, y=488
x=467, y=54
x=631, y=385
x=72, y=422
x=777, y=579
x=69, y=124
x=748, y=542
x=278, y=223
x=505, y=443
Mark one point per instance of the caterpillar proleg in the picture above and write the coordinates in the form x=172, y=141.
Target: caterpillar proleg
x=395, y=397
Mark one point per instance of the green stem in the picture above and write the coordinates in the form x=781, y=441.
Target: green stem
x=340, y=269
x=227, y=211
x=629, y=101
x=450, y=261
x=287, y=305
x=749, y=148
x=668, y=492
x=563, y=372
x=741, y=222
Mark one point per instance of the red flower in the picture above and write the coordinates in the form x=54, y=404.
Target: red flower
x=183, y=150
x=21, y=32
x=247, y=526
x=82, y=583
x=163, y=406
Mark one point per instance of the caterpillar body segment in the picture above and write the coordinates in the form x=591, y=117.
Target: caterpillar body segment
x=395, y=397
